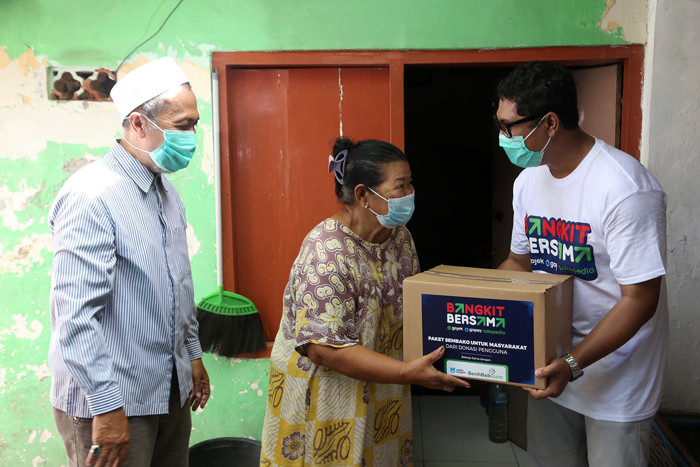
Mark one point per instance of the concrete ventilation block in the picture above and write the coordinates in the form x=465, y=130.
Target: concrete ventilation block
x=69, y=83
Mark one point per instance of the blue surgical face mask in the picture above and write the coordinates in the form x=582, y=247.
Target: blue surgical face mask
x=400, y=210
x=176, y=151
x=518, y=152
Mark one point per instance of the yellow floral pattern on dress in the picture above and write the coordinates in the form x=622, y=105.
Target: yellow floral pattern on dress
x=342, y=291
x=334, y=315
x=323, y=292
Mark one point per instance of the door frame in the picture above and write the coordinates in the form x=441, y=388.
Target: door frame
x=630, y=57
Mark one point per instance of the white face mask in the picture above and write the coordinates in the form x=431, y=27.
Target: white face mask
x=400, y=210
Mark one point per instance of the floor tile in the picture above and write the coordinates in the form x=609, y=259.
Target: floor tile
x=415, y=409
x=521, y=456
x=466, y=443
x=468, y=464
x=452, y=411
x=417, y=437
x=417, y=443
x=452, y=431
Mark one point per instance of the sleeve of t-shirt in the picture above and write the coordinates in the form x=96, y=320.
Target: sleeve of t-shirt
x=635, y=236
x=324, y=296
x=518, y=238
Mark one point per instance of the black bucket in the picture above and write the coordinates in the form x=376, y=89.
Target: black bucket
x=226, y=452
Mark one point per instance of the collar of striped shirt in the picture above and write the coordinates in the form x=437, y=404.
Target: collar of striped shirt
x=143, y=177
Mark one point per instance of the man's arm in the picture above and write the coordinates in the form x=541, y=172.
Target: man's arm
x=84, y=260
x=110, y=431
x=635, y=308
x=83, y=265
x=192, y=344
x=201, y=389
x=516, y=262
x=200, y=378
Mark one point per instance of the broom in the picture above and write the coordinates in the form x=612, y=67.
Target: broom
x=229, y=323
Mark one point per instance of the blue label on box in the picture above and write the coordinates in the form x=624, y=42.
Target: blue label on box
x=483, y=338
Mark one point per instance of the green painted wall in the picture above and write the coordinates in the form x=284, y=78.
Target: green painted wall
x=105, y=34
x=43, y=142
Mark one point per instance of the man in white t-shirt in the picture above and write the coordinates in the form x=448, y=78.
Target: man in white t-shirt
x=584, y=208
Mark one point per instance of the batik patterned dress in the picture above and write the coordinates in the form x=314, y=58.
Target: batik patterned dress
x=342, y=291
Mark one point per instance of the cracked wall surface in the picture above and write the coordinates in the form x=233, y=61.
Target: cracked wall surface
x=674, y=122
x=42, y=142
x=626, y=17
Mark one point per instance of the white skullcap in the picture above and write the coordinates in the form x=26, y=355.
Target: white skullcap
x=146, y=82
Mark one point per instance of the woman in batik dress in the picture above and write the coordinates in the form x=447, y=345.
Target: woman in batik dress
x=339, y=393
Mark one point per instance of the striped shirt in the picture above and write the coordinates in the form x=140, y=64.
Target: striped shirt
x=122, y=305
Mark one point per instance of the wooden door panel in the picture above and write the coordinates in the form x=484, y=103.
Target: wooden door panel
x=365, y=105
x=283, y=123
x=252, y=114
x=599, y=100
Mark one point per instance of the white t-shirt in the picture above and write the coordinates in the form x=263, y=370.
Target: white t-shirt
x=605, y=224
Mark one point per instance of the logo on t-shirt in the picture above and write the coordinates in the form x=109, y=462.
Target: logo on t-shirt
x=558, y=246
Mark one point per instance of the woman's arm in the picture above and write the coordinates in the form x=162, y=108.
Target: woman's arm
x=360, y=363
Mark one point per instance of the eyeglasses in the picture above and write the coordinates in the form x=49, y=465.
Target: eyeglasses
x=505, y=127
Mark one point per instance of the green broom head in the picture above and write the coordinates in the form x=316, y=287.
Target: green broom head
x=229, y=324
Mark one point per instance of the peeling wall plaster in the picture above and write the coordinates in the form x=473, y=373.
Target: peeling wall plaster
x=13, y=202
x=29, y=253
x=628, y=16
x=21, y=329
x=30, y=120
x=4, y=58
x=24, y=78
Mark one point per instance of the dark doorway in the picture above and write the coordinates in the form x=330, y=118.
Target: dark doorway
x=463, y=179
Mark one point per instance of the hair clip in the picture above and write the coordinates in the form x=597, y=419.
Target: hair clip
x=337, y=165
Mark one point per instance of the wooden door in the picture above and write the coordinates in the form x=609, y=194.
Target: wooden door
x=599, y=101
x=282, y=124
x=280, y=112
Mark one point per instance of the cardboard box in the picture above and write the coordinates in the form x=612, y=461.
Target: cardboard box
x=495, y=325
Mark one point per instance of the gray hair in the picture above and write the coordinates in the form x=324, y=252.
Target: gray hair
x=151, y=108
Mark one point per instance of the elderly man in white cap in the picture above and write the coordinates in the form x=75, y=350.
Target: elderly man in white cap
x=125, y=355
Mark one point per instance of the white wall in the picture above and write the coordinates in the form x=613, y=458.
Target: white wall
x=671, y=150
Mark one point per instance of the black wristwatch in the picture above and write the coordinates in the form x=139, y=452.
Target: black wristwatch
x=576, y=371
